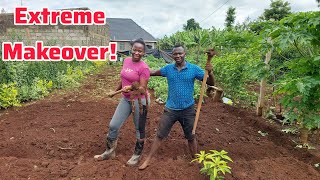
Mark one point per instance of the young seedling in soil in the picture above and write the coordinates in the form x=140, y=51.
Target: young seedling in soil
x=291, y=130
x=263, y=133
x=308, y=146
x=214, y=163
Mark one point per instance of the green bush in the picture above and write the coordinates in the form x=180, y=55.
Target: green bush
x=34, y=80
x=8, y=95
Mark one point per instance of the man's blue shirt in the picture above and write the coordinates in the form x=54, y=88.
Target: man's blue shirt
x=181, y=84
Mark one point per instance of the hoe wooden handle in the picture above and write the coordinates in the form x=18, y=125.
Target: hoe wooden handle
x=210, y=55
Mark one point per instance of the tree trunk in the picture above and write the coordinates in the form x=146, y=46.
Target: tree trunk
x=304, y=135
x=274, y=97
x=261, y=101
x=318, y=135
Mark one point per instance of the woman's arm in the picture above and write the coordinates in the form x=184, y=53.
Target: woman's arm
x=143, y=85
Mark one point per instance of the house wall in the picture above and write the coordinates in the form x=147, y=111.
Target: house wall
x=123, y=46
x=53, y=35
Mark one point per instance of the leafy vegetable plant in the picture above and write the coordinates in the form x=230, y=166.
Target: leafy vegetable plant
x=214, y=163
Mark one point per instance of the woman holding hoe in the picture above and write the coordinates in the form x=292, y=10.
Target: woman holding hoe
x=134, y=71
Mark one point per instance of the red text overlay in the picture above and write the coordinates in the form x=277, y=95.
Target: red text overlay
x=18, y=52
x=22, y=16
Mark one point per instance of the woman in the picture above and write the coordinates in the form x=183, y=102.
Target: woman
x=134, y=70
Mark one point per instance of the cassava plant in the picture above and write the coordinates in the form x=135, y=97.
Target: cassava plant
x=214, y=163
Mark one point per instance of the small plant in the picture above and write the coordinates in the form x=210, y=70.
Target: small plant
x=214, y=163
x=263, y=133
x=292, y=130
x=306, y=145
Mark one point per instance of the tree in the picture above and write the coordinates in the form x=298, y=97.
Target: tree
x=245, y=25
x=3, y=11
x=231, y=17
x=318, y=1
x=278, y=10
x=191, y=25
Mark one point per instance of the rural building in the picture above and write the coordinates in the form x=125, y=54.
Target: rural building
x=123, y=30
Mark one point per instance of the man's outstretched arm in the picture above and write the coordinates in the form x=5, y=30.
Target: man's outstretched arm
x=155, y=72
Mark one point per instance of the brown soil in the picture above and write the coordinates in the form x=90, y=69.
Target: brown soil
x=57, y=137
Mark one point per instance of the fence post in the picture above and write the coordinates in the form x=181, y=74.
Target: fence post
x=261, y=101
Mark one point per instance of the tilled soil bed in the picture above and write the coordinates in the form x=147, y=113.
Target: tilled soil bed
x=57, y=137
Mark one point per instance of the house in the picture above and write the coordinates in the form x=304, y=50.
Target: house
x=124, y=30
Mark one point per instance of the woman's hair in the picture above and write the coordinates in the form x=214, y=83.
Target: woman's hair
x=140, y=41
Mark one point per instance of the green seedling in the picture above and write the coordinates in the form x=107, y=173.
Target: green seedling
x=263, y=133
x=306, y=145
x=214, y=163
x=291, y=130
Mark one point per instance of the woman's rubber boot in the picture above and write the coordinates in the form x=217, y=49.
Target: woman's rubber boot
x=110, y=152
x=135, y=158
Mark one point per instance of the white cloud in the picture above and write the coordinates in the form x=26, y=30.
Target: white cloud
x=166, y=16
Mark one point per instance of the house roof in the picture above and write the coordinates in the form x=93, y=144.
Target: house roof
x=123, y=29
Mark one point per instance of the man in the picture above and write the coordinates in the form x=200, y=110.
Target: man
x=180, y=103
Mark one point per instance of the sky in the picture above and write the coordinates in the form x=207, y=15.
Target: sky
x=165, y=17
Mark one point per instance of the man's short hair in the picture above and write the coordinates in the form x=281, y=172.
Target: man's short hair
x=177, y=46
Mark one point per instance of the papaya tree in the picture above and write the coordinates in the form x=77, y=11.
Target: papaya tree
x=300, y=84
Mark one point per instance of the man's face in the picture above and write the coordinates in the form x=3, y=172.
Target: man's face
x=178, y=54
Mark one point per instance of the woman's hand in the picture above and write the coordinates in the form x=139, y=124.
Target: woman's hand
x=110, y=94
x=127, y=88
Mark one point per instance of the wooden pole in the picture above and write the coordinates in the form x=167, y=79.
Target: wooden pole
x=261, y=101
x=304, y=135
x=211, y=53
